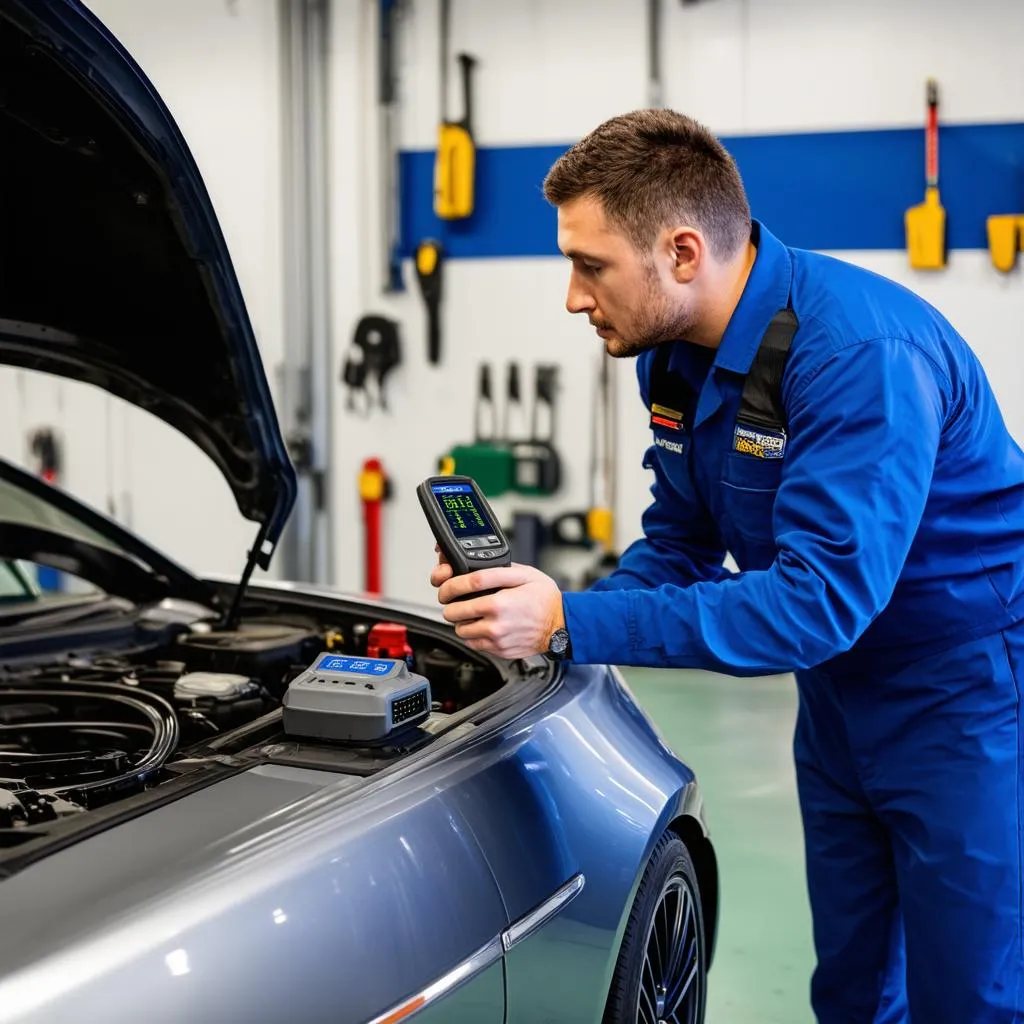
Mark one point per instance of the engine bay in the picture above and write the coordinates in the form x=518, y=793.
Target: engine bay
x=86, y=728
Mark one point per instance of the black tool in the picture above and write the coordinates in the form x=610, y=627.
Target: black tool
x=376, y=350
x=654, y=83
x=528, y=536
x=569, y=530
x=466, y=530
x=485, y=409
x=538, y=468
x=487, y=460
x=513, y=407
x=429, y=262
x=391, y=190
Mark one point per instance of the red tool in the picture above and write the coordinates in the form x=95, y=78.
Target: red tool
x=47, y=451
x=374, y=490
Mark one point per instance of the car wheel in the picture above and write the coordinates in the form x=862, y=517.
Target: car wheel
x=661, y=973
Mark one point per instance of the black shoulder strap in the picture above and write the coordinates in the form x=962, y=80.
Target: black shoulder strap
x=761, y=402
x=667, y=391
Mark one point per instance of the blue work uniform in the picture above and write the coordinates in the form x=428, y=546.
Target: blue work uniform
x=880, y=542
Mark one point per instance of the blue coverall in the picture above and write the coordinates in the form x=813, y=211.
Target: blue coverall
x=882, y=559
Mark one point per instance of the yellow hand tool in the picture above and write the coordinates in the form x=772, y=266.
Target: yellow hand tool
x=1005, y=239
x=926, y=222
x=429, y=263
x=455, y=166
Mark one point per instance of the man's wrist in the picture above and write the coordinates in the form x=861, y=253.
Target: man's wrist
x=558, y=616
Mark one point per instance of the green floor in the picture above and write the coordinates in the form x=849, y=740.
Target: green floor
x=736, y=734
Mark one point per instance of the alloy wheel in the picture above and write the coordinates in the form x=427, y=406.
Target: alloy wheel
x=671, y=980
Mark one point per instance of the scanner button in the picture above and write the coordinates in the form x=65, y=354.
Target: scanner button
x=493, y=539
x=468, y=544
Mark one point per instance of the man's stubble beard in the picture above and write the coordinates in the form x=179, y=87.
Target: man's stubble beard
x=659, y=321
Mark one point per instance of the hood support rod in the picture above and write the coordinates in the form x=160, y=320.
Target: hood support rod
x=255, y=557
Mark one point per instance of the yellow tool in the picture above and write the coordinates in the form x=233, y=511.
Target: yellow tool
x=429, y=261
x=1005, y=239
x=926, y=222
x=455, y=166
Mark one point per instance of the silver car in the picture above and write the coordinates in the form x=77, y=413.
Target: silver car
x=223, y=800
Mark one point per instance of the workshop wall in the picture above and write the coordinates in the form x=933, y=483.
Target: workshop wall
x=823, y=106
x=215, y=65
x=493, y=311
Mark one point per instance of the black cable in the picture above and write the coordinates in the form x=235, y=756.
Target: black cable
x=159, y=718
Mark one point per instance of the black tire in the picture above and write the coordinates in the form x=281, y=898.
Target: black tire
x=668, y=896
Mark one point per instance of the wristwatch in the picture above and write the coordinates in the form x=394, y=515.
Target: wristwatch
x=559, y=646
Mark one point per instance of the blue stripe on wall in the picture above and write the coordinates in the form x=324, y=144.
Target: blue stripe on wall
x=832, y=190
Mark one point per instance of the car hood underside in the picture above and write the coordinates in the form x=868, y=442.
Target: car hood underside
x=113, y=269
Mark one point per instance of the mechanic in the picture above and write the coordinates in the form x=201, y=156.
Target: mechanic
x=835, y=434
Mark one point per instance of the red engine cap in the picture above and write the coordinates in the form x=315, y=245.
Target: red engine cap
x=388, y=640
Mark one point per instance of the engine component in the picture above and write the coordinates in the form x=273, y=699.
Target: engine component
x=455, y=682
x=389, y=640
x=213, y=702
x=214, y=686
x=360, y=637
x=256, y=650
x=79, y=741
x=355, y=699
x=20, y=806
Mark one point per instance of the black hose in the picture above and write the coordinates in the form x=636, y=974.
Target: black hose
x=160, y=720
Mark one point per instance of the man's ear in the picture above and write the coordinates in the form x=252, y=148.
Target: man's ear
x=689, y=251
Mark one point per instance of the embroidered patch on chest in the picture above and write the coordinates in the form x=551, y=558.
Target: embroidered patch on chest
x=676, y=447
x=761, y=444
x=663, y=416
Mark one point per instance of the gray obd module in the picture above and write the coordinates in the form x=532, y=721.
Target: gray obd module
x=357, y=699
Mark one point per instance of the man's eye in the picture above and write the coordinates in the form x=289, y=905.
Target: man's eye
x=594, y=268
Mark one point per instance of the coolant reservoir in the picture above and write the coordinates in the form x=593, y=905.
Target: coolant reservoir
x=213, y=685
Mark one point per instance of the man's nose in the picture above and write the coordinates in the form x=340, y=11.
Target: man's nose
x=579, y=299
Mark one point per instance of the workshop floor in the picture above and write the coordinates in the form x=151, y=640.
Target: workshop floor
x=736, y=734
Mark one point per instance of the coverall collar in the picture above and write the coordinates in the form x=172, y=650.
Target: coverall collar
x=766, y=292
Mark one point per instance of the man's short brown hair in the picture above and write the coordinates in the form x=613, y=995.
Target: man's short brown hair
x=653, y=168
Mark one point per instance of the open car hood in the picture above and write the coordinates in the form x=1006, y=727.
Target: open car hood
x=113, y=269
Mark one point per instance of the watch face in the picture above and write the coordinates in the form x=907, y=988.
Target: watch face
x=559, y=643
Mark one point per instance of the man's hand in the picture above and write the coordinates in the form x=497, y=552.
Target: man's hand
x=516, y=622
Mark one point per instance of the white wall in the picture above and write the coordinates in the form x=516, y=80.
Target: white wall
x=214, y=62
x=549, y=71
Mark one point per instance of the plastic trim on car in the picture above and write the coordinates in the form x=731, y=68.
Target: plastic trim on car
x=480, y=960
x=484, y=957
x=529, y=923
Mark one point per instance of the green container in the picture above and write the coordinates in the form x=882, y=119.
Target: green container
x=491, y=466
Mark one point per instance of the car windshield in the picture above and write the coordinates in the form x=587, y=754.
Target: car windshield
x=18, y=582
x=21, y=580
x=20, y=508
